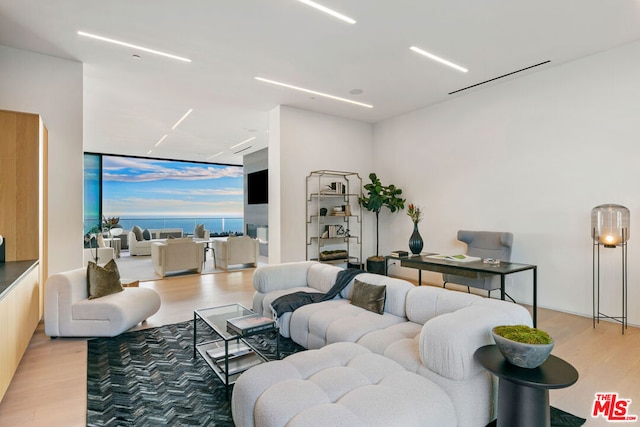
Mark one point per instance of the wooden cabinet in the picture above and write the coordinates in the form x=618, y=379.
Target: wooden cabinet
x=19, y=315
x=334, y=219
x=23, y=140
x=23, y=210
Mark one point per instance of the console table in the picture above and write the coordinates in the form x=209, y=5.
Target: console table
x=523, y=394
x=474, y=270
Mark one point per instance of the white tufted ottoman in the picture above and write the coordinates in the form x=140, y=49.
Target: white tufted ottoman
x=342, y=384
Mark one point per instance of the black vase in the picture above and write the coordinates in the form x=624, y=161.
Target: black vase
x=415, y=241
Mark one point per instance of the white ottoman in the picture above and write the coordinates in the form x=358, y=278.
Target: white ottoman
x=342, y=384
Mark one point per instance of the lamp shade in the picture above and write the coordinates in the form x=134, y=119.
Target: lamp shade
x=116, y=231
x=610, y=224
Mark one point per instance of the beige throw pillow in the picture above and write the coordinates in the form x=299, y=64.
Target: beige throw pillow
x=367, y=296
x=102, y=281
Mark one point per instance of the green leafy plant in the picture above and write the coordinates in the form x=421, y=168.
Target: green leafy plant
x=378, y=196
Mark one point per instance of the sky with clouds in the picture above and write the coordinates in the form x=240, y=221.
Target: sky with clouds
x=135, y=187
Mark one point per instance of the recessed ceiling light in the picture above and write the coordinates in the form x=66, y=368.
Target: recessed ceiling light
x=438, y=59
x=160, y=142
x=328, y=11
x=136, y=57
x=337, y=98
x=182, y=118
x=133, y=46
x=356, y=91
x=215, y=155
x=243, y=142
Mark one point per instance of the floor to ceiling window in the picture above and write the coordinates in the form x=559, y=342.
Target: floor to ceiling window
x=92, y=192
x=156, y=193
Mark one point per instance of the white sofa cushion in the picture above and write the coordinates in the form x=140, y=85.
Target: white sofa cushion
x=447, y=342
x=426, y=302
x=274, y=277
x=379, y=340
x=316, y=325
x=322, y=276
x=343, y=384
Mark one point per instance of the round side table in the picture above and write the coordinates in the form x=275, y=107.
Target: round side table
x=523, y=394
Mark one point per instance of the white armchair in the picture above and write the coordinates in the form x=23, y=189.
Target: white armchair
x=68, y=311
x=177, y=254
x=236, y=250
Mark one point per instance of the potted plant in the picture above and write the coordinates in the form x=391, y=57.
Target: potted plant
x=111, y=226
x=377, y=197
x=522, y=345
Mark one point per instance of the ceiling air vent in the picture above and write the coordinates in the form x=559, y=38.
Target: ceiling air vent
x=499, y=77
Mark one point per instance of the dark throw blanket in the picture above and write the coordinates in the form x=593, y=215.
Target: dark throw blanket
x=290, y=302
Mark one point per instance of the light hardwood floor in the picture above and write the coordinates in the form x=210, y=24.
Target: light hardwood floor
x=49, y=388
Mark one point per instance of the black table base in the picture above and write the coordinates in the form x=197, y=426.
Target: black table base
x=522, y=406
x=523, y=394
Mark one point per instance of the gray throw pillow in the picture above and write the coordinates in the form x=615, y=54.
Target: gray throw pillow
x=138, y=233
x=146, y=234
x=102, y=281
x=367, y=296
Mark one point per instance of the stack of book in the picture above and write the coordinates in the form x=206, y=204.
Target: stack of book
x=399, y=253
x=239, y=358
x=236, y=349
x=249, y=325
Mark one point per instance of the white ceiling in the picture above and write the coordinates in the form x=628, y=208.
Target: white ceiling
x=130, y=104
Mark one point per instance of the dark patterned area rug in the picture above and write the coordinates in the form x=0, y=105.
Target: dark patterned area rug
x=149, y=378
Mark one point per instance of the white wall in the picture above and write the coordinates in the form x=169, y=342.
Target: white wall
x=52, y=87
x=533, y=156
x=301, y=142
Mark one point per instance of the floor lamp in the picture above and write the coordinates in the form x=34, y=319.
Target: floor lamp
x=609, y=230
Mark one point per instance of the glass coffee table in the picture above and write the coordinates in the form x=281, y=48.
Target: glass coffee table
x=229, y=354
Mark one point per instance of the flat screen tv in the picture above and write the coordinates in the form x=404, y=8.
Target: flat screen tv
x=258, y=187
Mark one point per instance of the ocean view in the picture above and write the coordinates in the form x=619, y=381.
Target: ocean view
x=214, y=225
x=155, y=194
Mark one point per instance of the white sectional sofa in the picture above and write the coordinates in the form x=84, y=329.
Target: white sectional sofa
x=139, y=246
x=430, y=331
